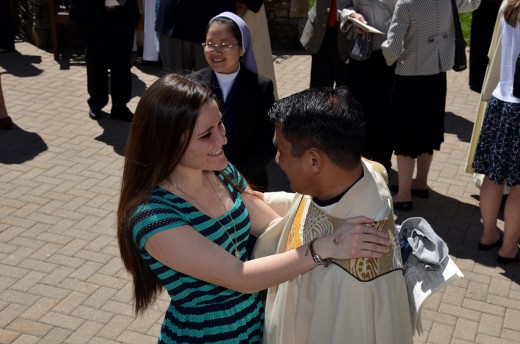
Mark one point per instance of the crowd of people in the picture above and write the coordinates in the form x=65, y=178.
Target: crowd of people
x=195, y=174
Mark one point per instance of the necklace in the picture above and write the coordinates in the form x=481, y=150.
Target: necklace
x=234, y=241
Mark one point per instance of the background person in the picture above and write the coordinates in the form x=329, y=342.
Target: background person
x=244, y=96
x=418, y=100
x=498, y=150
x=371, y=80
x=108, y=28
x=327, y=44
x=5, y=121
x=185, y=215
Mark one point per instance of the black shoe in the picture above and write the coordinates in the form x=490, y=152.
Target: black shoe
x=94, y=114
x=6, y=123
x=504, y=260
x=420, y=193
x=122, y=114
x=497, y=243
x=404, y=206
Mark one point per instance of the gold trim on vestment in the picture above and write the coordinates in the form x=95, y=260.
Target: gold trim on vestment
x=310, y=222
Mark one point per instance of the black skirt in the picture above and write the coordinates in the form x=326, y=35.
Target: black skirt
x=418, y=109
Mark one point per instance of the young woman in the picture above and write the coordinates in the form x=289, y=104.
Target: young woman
x=244, y=96
x=421, y=42
x=498, y=150
x=185, y=215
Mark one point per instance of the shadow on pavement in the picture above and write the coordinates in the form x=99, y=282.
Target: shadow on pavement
x=114, y=133
x=18, y=146
x=20, y=65
x=459, y=126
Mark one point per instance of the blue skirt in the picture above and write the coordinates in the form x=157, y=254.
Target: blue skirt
x=498, y=148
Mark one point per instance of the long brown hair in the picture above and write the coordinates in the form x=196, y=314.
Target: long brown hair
x=161, y=130
x=512, y=12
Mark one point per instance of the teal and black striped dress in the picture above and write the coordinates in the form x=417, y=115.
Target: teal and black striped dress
x=201, y=312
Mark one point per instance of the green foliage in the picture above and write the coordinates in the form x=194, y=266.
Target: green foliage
x=465, y=23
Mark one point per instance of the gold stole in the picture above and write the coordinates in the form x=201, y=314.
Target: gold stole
x=311, y=222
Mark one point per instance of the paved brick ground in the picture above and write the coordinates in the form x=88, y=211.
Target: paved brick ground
x=61, y=278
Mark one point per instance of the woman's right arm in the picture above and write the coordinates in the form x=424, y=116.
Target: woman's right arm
x=392, y=48
x=185, y=250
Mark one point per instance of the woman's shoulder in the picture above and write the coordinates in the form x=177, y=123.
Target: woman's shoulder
x=161, y=211
x=233, y=178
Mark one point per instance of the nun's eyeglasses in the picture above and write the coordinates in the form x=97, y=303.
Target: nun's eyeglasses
x=208, y=46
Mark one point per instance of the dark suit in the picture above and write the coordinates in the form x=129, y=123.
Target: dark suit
x=187, y=19
x=249, y=131
x=109, y=37
x=327, y=46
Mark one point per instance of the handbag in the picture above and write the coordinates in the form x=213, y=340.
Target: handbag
x=460, y=62
x=516, y=79
x=360, y=46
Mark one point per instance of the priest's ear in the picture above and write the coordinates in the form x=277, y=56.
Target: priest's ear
x=315, y=160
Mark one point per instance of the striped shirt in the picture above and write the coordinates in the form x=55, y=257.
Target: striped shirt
x=201, y=312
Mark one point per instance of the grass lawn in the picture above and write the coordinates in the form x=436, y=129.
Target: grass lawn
x=465, y=23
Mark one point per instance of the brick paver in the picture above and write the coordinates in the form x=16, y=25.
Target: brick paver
x=61, y=279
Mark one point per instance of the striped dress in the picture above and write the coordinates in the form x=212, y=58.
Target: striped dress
x=201, y=312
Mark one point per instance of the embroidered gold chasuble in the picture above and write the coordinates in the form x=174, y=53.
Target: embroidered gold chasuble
x=352, y=301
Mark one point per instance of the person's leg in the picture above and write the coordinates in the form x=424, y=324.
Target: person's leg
x=119, y=55
x=322, y=70
x=490, y=198
x=96, y=44
x=3, y=109
x=405, y=169
x=509, y=248
x=424, y=162
x=341, y=69
x=5, y=120
x=376, y=104
x=6, y=26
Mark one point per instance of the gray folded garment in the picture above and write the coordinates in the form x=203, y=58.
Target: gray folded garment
x=427, y=247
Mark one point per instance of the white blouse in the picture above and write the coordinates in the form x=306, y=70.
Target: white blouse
x=226, y=81
x=510, y=51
